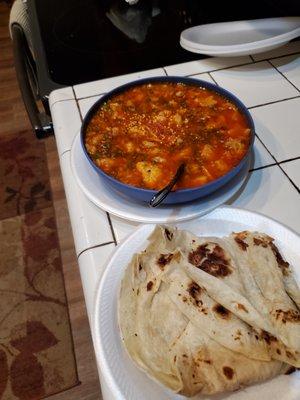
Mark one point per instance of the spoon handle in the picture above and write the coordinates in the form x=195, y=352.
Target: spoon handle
x=163, y=193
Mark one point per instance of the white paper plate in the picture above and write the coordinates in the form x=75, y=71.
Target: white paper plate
x=238, y=38
x=123, y=378
x=103, y=196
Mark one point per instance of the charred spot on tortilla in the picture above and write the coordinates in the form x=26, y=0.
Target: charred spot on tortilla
x=228, y=372
x=218, y=255
x=242, y=235
x=174, y=358
x=242, y=307
x=287, y=316
x=267, y=337
x=202, y=309
x=240, y=242
x=290, y=370
x=283, y=265
x=169, y=234
x=140, y=266
x=269, y=241
x=278, y=351
x=212, y=268
x=149, y=285
x=221, y=311
x=164, y=259
x=207, y=361
x=289, y=354
x=196, y=256
x=238, y=335
x=194, y=289
x=260, y=242
x=213, y=261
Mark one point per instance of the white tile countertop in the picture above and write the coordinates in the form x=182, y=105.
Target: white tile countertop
x=268, y=84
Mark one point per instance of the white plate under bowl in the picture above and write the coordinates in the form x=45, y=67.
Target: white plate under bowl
x=124, y=379
x=238, y=38
x=105, y=197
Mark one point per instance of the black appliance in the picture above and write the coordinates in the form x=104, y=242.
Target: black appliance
x=66, y=42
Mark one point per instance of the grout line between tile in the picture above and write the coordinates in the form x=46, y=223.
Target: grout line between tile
x=224, y=68
x=288, y=160
x=76, y=100
x=89, y=97
x=244, y=64
x=258, y=138
x=209, y=73
x=217, y=69
x=164, y=68
x=292, y=182
x=274, y=102
x=112, y=229
x=103, y=93
x=93, y=247
x=237, y=65
x=284, y=55
x=262, y=167
x=283, y=75
x=212, y=78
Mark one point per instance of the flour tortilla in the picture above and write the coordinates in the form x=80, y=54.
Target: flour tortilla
x=270, y=288
x=239, y=292
x=206, y=367
x=276, y=348
x=232, y=284
x=211, y=317
x=145, y=340
x=184, y=348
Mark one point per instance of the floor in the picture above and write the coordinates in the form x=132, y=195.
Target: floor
x=13, y=119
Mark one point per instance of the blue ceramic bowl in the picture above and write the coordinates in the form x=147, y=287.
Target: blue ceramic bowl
x=181, y=195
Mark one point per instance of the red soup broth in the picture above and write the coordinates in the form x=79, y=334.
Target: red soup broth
x=141, y=136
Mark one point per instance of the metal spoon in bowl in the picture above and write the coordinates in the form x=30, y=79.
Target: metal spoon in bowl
x=163, y=193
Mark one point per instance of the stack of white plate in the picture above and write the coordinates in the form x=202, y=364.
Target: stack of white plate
x=228, y=39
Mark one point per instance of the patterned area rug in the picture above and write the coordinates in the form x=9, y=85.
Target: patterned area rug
x=36, y=347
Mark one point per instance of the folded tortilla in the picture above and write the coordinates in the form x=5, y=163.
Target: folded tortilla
x=207, y=315
x=269, y=283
